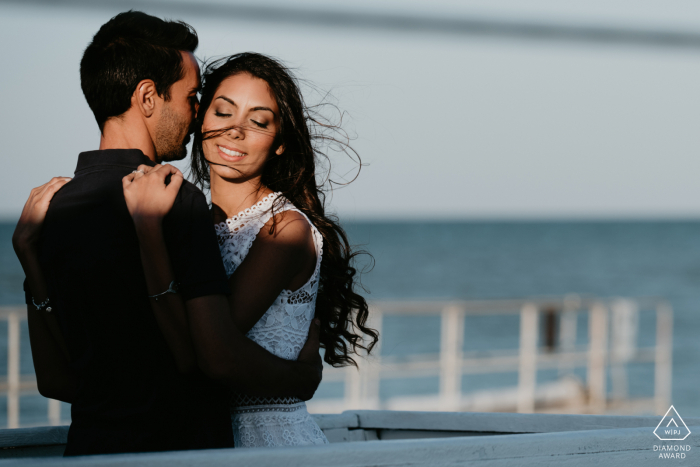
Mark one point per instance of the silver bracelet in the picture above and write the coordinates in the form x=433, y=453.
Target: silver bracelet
x=42, y=305
x=174, y=287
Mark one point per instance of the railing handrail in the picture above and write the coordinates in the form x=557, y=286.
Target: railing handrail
x=452, y=362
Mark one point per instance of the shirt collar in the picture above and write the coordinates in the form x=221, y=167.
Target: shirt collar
x=128, y=158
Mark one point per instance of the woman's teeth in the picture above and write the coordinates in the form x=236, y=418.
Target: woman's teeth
x=228, y=152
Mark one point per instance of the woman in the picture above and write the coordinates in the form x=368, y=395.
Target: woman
x=286, y=259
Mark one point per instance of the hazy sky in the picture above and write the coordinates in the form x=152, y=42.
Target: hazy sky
x=451, y=126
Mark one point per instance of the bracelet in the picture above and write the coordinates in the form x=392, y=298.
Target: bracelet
x=42, y=305
x=174, y=287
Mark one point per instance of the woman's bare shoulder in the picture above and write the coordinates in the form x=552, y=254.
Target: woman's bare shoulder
x=291, y=229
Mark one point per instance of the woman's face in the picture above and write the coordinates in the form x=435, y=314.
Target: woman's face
x=245, y=104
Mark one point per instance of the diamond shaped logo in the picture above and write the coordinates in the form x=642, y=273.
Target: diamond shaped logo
x=672, y=427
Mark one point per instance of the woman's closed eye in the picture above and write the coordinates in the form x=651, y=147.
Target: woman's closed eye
x=220, y=114
x=261, y=125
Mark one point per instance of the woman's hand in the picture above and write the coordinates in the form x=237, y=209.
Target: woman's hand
x=147, y=196
x=33, y=215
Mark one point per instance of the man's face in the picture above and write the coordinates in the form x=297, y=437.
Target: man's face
x=176, y=116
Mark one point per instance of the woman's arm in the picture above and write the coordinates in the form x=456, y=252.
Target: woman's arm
x=221, y=350
x=51, y=360
x=284, y=259
x=149, y=199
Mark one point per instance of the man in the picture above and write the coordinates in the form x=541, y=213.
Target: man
x=85, y=283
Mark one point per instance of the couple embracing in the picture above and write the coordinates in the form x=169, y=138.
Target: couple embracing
x=167, y=324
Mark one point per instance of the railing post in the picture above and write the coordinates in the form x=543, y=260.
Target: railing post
x=353, y=388
x=663, y=358
x=527, y=373
x=567, y=333
x=370, y=365
x=13, y=370
x=54, y=412
x=451, y=339
x=597, y=356
x=362, y=383
x=623, y=343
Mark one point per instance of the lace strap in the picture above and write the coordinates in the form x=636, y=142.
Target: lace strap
x=237, y=234
x=318, y=238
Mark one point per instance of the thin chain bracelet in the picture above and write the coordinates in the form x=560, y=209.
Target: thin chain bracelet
x=174, y=287
x=42, y=305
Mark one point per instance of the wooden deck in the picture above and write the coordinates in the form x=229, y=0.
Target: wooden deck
x=387, y=438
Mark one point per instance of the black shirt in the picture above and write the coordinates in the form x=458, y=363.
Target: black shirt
x=131, y=397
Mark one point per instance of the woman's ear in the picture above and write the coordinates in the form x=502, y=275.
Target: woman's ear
x=280, y=150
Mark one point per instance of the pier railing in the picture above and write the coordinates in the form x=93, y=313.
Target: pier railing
x=15, y=384
x=547, y=340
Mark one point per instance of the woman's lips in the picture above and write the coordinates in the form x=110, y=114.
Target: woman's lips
x=230, y=154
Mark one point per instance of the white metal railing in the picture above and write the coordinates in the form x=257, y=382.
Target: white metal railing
x=611, y=344
x=16, y=384
x=612, y=325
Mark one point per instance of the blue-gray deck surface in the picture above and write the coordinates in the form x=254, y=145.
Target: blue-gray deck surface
x=406, y=438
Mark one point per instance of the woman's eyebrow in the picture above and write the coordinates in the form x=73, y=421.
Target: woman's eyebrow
x=227, y=100
x=230, y=101
x=264, y=108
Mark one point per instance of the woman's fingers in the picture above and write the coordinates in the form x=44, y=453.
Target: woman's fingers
x=175, y=182
x=164, y=170
x=126, y=181
x=55, y=184
x=147, y=195
x=146, y=168
x=34, y=211
x=45, y=192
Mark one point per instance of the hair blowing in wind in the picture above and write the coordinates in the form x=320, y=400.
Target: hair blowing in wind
x=306, y=135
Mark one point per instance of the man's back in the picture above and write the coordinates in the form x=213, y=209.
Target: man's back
x=130, y=394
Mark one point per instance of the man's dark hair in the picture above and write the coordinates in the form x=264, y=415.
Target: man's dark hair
x=127, y=49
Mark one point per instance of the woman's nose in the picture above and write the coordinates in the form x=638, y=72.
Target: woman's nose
x=236, y=132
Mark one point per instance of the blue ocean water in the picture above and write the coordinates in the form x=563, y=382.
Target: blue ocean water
x=479, y=260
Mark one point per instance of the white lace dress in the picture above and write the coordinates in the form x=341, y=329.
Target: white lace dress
x=282, y=331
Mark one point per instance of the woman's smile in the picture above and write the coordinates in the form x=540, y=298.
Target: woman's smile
x=230, y=154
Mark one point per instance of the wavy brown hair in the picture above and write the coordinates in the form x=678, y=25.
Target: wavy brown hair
x=304, y=132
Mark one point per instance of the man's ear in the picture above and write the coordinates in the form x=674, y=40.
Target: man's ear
x=145, y=97
x=280, y=149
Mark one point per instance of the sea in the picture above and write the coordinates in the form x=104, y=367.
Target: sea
x=489, y=260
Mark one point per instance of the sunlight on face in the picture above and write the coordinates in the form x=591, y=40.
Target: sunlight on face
x=244, y=104
x=173, y=128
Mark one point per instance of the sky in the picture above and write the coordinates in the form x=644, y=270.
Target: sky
x=448, y=126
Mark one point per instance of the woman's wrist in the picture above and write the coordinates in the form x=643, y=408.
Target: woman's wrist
x=23, y=243
x=148, y=225
x=25, y=249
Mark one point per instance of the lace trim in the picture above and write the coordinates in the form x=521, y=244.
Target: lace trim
x=272, y=427
x=266, y=408
x=242, y=400
x=235, y=228
x=260, y=207
x=298, y=295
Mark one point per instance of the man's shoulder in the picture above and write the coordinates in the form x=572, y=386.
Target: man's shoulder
x=190, y=189
x=189, y=193
x=190, y=201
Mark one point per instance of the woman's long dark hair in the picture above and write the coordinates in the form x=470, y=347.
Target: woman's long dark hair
x=342, y=311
